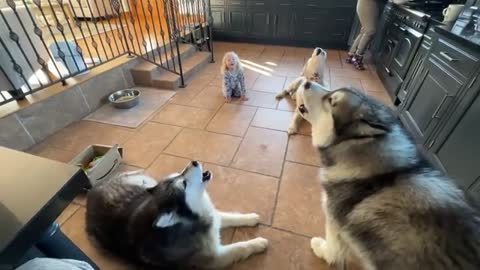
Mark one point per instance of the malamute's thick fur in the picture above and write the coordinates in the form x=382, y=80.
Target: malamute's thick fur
x=170, y=225
x=314, y=71
x=383, y=202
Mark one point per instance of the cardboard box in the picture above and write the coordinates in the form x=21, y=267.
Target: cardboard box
x=104, y=168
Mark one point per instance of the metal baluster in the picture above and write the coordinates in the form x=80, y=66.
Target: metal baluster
x=176, y=38
x=14, y=92
x=150, y=9
x=17, y=68
x=61, y=54
x=118, y=7
x=41, y=61
x=96, y=28
x=94, y=43
x=15, y=38
x=108, y=17
x=61, y=29
x=147, y=27
x=181, y=17
x=107, y=38
x=132, y=21
x=79, y=25
x=170, y=37
x=210, y=23
x=144, y=42
x=162, y=34
x=78, y=49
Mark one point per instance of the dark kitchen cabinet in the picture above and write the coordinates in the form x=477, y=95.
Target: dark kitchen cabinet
x=433, y=90
x=258, y=23
x=456, y=146
x=218, y=14
x=324, y=23
x=236, y=21
x=284, y=22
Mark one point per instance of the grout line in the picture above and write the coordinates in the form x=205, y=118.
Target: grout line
x=32, y=140
x=243, y=138
x=279, y=182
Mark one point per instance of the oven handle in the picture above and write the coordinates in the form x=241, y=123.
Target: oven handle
x=388, y=71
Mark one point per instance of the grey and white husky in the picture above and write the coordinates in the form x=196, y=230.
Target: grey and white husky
x=313, y=71
x=172, y=224
x=383, y=202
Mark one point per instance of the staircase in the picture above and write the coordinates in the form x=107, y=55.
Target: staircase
x=147, y=74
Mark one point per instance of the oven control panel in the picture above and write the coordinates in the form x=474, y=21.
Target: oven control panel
x=415, y=19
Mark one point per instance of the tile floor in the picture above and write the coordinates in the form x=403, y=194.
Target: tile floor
x=257, y=167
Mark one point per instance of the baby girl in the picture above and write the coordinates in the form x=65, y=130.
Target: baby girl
x=233, y=78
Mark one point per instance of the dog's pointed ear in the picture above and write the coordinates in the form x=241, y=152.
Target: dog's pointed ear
x=370, y=125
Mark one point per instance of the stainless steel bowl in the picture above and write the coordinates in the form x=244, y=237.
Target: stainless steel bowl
x=124, y=99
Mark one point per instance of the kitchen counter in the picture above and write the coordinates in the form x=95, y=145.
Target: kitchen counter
x=470, y=40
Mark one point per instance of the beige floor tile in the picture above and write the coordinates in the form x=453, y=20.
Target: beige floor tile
x=250, y=78
x=234, y=190
x=333, y=59
x=185, y=96
x=272, y=119
x=262, y=151
x=259, y=99
x=270, y=84
x=288, y=81
x=287, y=104
x=184, y=116
x=340, y=82
x=305, y=128
x=301, y=150
x=74, y=228
x=352, y=73
x=232, y=119
x=299, y=206
x=205, y=146
x=67, y=213
x=47, y=151
x=147, y=143
x=373, y=86
x=165, y=165
x=210, y=98
x=81, y=134
x=285, y=251
x=288, y=69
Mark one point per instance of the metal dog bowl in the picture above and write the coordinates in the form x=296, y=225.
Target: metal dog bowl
x=124, y=99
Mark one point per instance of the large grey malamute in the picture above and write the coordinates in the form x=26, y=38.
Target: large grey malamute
x=171, y=225
x=383, y=202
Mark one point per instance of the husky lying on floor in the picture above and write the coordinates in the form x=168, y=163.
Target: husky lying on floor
x=170, y=225
x=382, y=201
x=314, y=71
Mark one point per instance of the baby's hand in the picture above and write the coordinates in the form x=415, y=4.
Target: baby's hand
x=243, y=98
x=228, y=99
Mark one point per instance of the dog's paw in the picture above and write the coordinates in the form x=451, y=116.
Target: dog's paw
x=318, y=246
x=292, y=130
x=252, y=219
x=258, y=244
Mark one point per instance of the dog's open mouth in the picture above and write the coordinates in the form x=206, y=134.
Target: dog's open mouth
x=302, y=109
x=207, y=175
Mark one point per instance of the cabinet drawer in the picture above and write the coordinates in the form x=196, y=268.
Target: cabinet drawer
x=236, y=3
x=217, y=2
x=454, y=57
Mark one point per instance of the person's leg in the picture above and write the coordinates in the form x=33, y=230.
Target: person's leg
x=368, y=14
x=353, y=48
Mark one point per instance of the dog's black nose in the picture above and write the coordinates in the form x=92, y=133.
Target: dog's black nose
x=195, y=163
x=302, y=109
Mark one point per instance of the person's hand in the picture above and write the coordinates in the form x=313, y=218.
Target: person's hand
x=244, y=98
x=228, y=99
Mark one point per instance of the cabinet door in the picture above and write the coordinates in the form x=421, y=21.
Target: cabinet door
x=218, y=14
x=457, y=147
x=434, y=89
x=285, y=22
x=258, y=24
x=236, y=21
